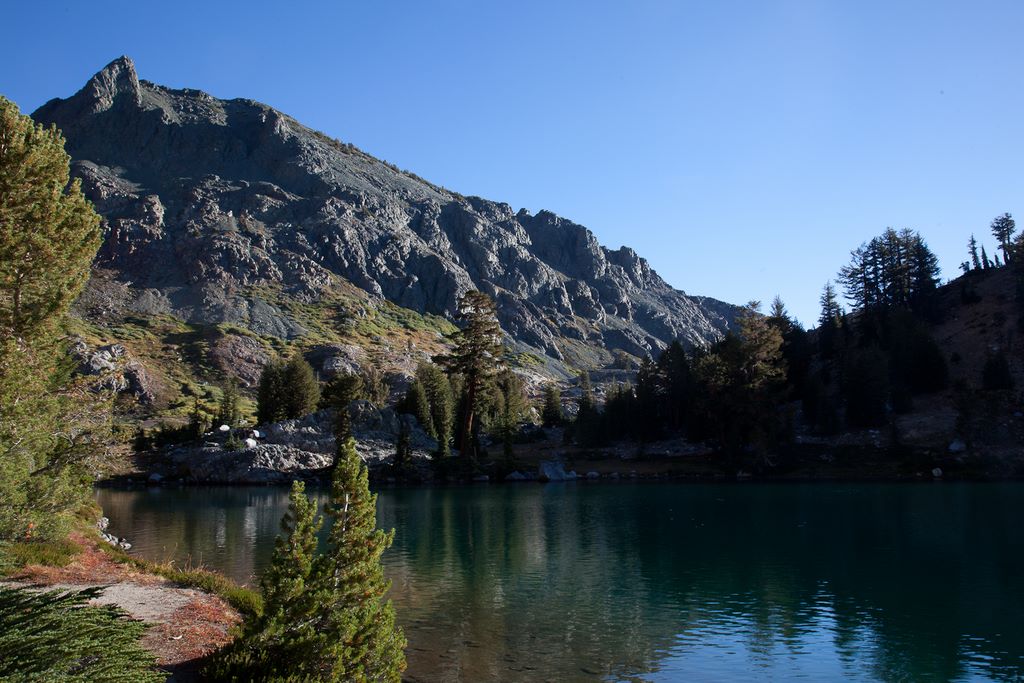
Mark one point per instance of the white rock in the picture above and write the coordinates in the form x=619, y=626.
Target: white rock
x=251, y=443
x=593, y=475
x=937, y=472
x=224, y=428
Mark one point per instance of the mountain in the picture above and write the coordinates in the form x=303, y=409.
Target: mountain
x=228, y=211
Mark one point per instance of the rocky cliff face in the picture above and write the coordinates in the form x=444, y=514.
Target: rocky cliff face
x=216, y=211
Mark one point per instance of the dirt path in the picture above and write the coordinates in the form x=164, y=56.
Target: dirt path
x=187, y=624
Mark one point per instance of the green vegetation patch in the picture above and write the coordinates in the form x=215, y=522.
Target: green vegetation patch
x=57, y=636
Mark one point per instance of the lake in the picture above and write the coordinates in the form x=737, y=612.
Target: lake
x=662, y=581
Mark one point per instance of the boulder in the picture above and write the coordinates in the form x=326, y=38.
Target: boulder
x=554, y=470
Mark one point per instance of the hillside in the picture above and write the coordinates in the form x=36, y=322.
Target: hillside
x=231, y=226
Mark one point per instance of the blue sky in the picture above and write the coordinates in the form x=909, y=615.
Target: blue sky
x=743, y=148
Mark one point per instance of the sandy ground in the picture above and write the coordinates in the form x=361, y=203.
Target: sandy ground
x=186, y=624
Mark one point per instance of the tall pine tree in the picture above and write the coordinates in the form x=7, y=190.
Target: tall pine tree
x=477, y=357
x=1003, y=228
x=50, y=428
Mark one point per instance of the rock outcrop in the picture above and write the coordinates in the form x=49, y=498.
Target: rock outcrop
x=113, y=369
x=262, y=464
x=300, y=448
x=215, y=210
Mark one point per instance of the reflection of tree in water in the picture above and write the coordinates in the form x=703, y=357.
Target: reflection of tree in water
x=576, y=582
x=230, y=529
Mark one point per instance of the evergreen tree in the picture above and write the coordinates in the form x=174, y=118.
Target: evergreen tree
x=742, y=384
x=551, y=414
x=375, y=386
x=360, y=641
x=197, y=423
x=301, y=391
x=779, y=316
x=403, y=447
x=675, y=385
x=831, y=313
x=1003, y=228
x=866, y=387
x=585, y=404
x=442, y=404
x=270, y=394
x=49, y=235
x=511, y=407
x=476, y=356
x=49, y=232
x=985, y=263
x=228, y=413
x=647, y=423
x=895, y=269
x=417, y=404
x=972, y=248
x=325, y=617
x=587, y=429
x=341, y=390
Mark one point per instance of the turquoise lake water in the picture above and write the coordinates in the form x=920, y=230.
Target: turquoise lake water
x=662, y=582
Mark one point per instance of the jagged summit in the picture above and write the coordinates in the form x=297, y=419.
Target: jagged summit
x=213, y=205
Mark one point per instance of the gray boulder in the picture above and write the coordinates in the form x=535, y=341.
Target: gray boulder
x=554, y=470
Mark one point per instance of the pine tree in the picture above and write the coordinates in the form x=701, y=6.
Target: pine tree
x=512, y=405
x=229, y=412
x=325, y=617
x=403, y=447
x=356, y=625
x=675, y=385
x=375, y=386
x=551, y=414
x=972, y=248
x=270, y=393
x=585, y=404
x=301, y=391
x=49, y=235
x=587, y=429
x=49, y=232
x=476, y=356
x=1003, y=228
x=197, y=422
x=417, y=404
x=985, y=263
x=831, y=313
x=442, y=404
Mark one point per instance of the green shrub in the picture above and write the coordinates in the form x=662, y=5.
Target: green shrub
x=52, y=553
x=55, y=636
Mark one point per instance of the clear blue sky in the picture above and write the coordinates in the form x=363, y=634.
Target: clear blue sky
x=743, y=148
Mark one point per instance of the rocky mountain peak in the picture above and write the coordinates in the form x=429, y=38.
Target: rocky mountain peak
x=212, y=204
x=115, y=81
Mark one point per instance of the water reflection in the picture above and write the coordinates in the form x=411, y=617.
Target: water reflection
x=663, y=582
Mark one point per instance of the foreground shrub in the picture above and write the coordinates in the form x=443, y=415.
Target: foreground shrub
x=54, y=636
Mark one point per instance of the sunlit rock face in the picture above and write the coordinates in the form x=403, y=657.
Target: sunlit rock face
x=209, y=204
